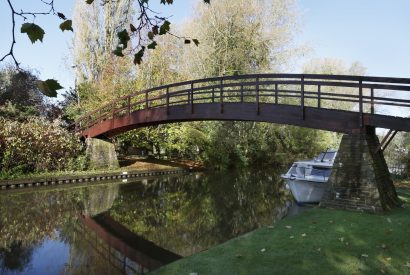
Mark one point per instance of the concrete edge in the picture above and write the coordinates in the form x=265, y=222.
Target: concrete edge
x=49, y=181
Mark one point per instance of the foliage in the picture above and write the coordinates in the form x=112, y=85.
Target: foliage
x=397, y=155
x=116, y=15
x=239, y=37
x=20, y=89
x=333, y=66
x=37, y=145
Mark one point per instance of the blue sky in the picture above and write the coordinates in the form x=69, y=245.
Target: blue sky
x=373, y=32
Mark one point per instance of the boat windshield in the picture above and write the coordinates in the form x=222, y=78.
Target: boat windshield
x=326, y=156
x=292, y=170
x=321, y=172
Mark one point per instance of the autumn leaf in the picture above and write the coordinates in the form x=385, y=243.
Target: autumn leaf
x=138, y=56
x=123, y=37
x=49, y=87
x=66, y=25
x=118, y=51
x=133, y=28
x=89, y=1
x=165, y=27
x=155, y=30
x=152, y=45
x=61, y=15
x=196, y=42
x=151, y=35
x=34, y=32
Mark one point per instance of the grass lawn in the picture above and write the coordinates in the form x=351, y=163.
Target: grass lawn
x=319, y=241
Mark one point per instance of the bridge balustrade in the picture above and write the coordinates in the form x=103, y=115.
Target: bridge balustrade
x=360, y=94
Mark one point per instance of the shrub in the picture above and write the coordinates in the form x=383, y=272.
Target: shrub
x=37, y=145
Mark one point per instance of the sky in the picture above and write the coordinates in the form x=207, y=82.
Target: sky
x=374, y=32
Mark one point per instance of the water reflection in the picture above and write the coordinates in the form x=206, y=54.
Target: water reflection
x=134, y=227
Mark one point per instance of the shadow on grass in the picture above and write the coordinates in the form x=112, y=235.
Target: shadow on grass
x=321, y=241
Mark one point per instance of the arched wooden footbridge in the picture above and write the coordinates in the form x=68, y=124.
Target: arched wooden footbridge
x=340, y=103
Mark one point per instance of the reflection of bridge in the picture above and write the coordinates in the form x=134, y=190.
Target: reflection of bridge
x=340, y=103
x=137, y=254
x=304, y=100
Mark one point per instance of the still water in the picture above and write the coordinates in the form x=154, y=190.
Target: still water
x=133, y=227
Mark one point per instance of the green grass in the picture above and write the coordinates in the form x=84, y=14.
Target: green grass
x=320, y=241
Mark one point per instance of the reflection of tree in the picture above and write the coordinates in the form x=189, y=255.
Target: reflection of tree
x=16, y=257
x=187, y=215
x=27, y=219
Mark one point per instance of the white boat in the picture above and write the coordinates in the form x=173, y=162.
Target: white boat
x=307, y=180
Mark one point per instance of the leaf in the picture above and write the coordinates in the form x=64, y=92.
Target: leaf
x=207, y=1
x=123, y=37
x=49, y=87
x=66, y=25
x=196, y=42
x=187, y=41
x=138, y=56
x=151, y=35
x=118, y=51
x=169, y=2
x=165, y=27
x=152, y=45
x=155, y=30
x=33, y=31
x=61, y=15
x=89, y=1
x=133, y=28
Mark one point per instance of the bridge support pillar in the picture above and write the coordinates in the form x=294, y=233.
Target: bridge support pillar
x=101, y=154
x=360, y=178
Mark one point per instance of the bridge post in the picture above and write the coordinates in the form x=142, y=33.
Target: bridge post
x=221, y=95
x=302, y=98
x=101, y=154
x=360, y=178
x=257, y=96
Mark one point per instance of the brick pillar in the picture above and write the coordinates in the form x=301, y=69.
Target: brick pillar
x=360, y=178
x=101, y=154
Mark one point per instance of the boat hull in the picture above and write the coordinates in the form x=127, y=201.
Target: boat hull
x=305, y=191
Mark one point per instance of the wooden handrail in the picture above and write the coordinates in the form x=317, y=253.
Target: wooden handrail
x=215, y=89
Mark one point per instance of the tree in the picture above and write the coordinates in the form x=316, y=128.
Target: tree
x=333, y=66
x=239, y=37
x=247, y=37
x=147, y=27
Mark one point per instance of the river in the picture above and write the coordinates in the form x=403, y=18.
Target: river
x=132, y=227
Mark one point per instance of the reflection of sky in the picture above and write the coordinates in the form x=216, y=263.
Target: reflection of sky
x=48, y=258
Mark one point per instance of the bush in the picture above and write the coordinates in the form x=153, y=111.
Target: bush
x=37, y=145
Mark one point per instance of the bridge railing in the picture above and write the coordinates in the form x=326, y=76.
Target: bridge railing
x=361, y=94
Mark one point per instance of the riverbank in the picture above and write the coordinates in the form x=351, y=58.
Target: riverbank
x=319, y=241
x=130, y=168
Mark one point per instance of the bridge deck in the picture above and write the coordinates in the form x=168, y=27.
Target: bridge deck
x=336, y=103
